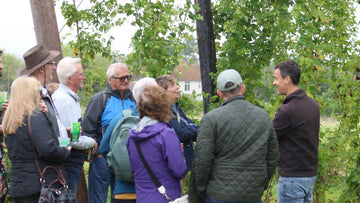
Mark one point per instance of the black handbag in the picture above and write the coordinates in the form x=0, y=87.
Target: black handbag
x=57, y=191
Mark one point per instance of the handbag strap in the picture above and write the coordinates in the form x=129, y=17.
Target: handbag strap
x=61, y=178
x=156, y=181
x=36, y=157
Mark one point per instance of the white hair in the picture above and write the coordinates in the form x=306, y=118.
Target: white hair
x=66, y=68
x=140, y=86
x=111, y=69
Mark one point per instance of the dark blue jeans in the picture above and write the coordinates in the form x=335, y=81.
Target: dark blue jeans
x=72, y=175
x=210, y=200
x=100, y=178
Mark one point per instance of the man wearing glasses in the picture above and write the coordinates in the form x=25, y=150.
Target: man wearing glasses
x=102, y=108
x=40, y=64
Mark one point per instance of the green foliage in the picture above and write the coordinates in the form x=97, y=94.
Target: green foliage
x=255, y=33
x=8, y=166
x=352, y=193
x=251, y=37
x=95, y=72
x=191, y=107
x=164, y=31
x=91, y=26
x=11, y=67
x=320, y=37
x=162, y=35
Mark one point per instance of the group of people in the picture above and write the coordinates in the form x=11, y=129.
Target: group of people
x=237, y=147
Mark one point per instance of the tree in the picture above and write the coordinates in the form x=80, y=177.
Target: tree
x=91, y=26
x=11, y=67
x=207, y=52
x=320, y=36
x=45, y=25
x=252, y=36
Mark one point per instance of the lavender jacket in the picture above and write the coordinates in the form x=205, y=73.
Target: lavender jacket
x=162, y=151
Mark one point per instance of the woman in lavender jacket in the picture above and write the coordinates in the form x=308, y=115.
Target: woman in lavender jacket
x=160, y=147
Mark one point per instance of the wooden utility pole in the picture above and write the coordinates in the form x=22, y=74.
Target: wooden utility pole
x=45, y=26
x=47, y=33
x=206, y=46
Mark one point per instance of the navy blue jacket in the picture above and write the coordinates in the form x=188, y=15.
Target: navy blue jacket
x=186, y=130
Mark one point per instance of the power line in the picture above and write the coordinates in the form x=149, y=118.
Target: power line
x=65, y=22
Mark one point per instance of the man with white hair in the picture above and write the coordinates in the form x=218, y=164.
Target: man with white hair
x=71, y=77
x=105, y=143
x=101, y=109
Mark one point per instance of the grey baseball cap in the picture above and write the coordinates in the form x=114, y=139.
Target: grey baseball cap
x=229, y=75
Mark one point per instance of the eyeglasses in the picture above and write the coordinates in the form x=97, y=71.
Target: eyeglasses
x=122, y=79
x=52, y=63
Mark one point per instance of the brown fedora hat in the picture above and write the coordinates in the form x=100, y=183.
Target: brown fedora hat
x=37, y=57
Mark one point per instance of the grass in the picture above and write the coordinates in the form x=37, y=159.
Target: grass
x=86, y=172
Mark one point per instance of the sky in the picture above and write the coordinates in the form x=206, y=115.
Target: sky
x=17, y=33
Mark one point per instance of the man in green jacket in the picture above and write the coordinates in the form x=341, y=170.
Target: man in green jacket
x=236, y=150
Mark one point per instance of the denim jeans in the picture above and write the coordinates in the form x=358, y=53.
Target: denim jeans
x=100, y=178
x=72, y=175
x=208, y=199
x=295, y=189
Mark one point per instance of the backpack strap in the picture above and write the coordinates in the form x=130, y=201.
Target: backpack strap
x=106, y=96
x=127, y=113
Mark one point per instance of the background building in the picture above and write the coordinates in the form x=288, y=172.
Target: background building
x=189, y=79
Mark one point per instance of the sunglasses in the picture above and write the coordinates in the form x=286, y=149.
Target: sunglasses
x=122, y=79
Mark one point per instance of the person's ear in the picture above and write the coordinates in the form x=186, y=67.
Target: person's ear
x=221, y=95
x=69, y=79
x=288, y=79
x=41, y=69
x=243, y=89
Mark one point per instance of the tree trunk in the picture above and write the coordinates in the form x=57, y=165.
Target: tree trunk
x=207, y=53
x=45, y=25
x=82, y=192
x=47, y=33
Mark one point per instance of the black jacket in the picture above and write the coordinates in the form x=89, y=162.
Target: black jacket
x=91, y=123
x=24, y=176
x=297, y=123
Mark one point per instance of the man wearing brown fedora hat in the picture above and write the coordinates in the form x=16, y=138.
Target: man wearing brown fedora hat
x=40, y=64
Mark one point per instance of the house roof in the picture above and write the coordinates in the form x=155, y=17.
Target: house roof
x=187, y=72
